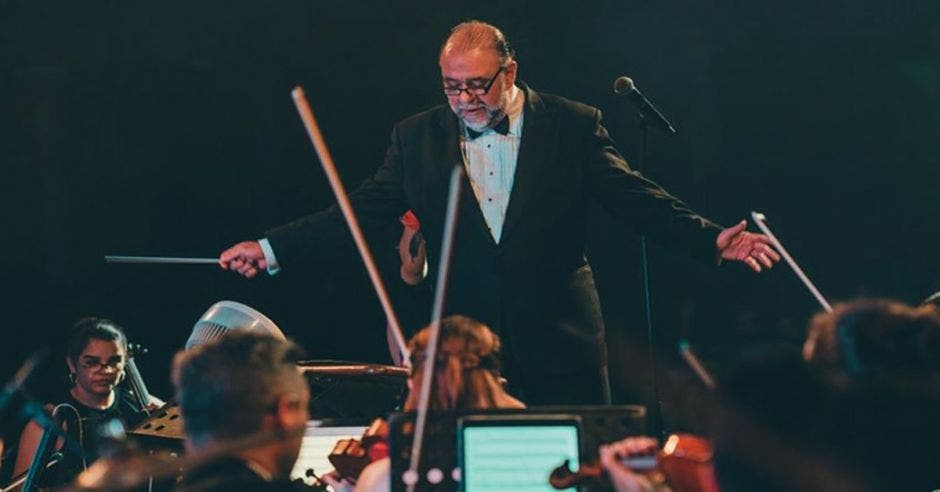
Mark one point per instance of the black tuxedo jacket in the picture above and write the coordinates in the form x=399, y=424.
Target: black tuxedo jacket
x=231, y=474
x=535, y=288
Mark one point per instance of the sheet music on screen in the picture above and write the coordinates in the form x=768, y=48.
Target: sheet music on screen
x=516, y=457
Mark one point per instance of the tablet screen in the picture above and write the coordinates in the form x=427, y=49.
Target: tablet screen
x=515, y=454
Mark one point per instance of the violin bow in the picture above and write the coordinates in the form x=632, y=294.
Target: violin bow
x=694, y=363
x=761, y=221
x=342, y=198
x=424, y=397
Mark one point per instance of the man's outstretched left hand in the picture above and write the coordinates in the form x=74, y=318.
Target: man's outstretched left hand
x=736, y=244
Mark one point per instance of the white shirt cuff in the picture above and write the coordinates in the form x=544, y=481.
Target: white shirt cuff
x=269, y=257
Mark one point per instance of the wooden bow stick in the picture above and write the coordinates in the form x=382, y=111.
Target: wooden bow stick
x=424, y=397
x=342, y=198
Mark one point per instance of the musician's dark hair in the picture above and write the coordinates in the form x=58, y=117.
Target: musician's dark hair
x=875, y=337
x=91, y=328
x=227, y=386
x=478, y=34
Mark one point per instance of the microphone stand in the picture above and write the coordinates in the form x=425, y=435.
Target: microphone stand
x=657, y=423
x=43, y=455
x=624, y=85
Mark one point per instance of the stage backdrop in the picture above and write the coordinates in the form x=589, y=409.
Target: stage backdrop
x=167, y=129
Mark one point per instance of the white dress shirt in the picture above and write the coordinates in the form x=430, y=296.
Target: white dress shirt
x=490, y=161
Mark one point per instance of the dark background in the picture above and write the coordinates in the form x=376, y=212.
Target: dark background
x=167, y=129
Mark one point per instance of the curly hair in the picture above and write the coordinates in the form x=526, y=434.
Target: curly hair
x=466, y=372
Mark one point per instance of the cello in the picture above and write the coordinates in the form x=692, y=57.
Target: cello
x=135, y=382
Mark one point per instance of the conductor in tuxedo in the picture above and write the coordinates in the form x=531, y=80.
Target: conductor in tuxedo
x=534, y=162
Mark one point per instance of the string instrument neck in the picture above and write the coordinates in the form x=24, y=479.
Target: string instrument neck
x=134, y=380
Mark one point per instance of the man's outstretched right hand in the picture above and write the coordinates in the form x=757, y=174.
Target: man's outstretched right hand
x=246, y=258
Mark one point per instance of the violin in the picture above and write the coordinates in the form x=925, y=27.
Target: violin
x=350, y=456
x=684, y=462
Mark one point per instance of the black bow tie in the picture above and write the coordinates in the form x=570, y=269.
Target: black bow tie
x=502, y=128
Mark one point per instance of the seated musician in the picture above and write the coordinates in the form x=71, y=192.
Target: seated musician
x=242, y=385
x=466, y=377
x=869, y=388
x=866, y=386
x=96, y=354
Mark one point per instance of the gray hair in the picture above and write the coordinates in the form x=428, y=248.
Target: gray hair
x=226, y=387
x=474, y=34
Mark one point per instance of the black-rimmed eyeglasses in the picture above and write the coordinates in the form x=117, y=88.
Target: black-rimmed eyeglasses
x=93, y=364
x=473, y=89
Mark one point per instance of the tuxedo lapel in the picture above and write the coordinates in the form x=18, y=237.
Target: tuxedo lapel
x=445, y=149
x=537, y=148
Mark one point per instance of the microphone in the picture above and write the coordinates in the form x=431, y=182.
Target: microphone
x=624, y=86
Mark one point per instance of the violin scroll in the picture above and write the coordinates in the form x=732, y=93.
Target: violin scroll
x=563, y=478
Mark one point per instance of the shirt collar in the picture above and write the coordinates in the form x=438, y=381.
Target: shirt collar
x=514, y=110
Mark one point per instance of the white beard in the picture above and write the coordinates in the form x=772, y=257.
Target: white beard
x=493, y=116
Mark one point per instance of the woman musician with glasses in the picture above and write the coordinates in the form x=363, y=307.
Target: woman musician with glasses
x=97, y=358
